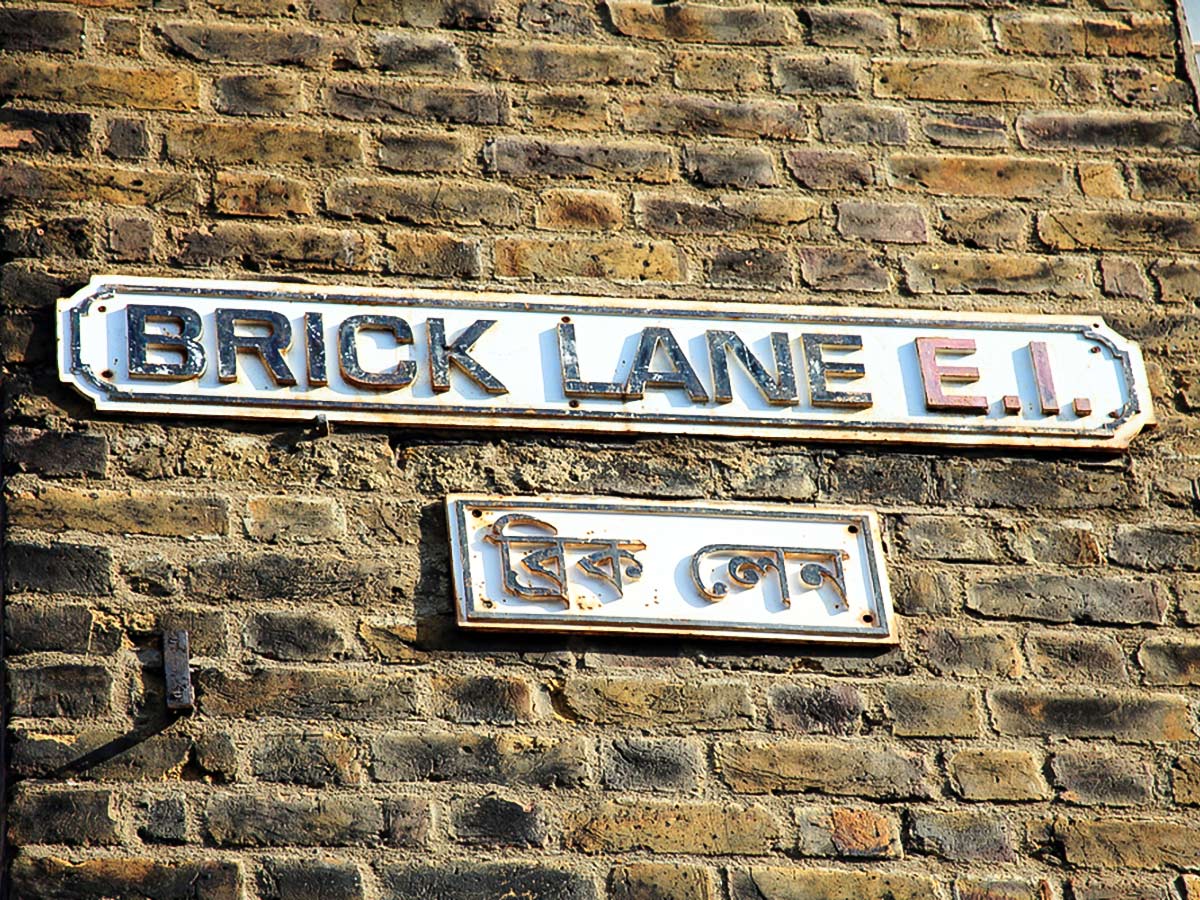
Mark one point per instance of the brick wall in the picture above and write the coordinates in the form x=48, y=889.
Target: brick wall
x=1033, y=736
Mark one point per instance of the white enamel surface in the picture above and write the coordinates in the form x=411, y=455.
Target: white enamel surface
x=665, y=598
x=521, y=350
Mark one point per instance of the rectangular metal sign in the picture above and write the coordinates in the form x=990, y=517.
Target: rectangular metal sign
x=451, y=358
x=705, y=569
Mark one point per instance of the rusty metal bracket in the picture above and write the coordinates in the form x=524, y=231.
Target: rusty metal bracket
x=177, y=670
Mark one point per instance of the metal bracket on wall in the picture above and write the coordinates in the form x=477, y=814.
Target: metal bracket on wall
x=177, y=671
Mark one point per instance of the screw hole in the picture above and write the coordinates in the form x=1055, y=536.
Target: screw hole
x=566, y=318
x=574, y=404
x=477, y=513
x=107, y=373
x=868, y=618
x=853, y=529
x=1095, y=350
x=101, y=309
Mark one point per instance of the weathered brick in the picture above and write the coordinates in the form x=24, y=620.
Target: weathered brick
x=1170, y=661
x=462, y=879
x=650, y=703
x=53, y=508
x=41, y=29
x=263, y=144
x=1099, y=131
x=863, y=123
x=952, y=31
x=477, y=759
x=534, y=61
x=952, y=273
x=159, y=757
x=1155, y=547
x=653, y=764
x=1101, y=180
x=715, y=70
x=965, y=81
x=425, y=202
x=1123, y=277
x=848, y=833
x=63, y=817
x=1057, y=485
x=55, y=454
x=123, y=36
x=817, y=75
x=420, y=253
x=417, y=152
x=1121, y=716
x=952, y=538
x=578, y=210
x=638, y=161
x=966, y=131
x=163, y=820
x=1074, y=657
x=309, y=758
x=815, y=709
x=896, y=223
x=1097, y=779
x=755, y=119
x=289, y=518
x=1070, y=36
x=124, y=877
x=257, y=45
x=1004, y=775
x=400, y=102
x=797, y=766
x=131, y=237
x=89, y=84
x=556, y=17
x=770, y=883
x=308, y=693
x=30, y=627
x=161, y=190
x=1129, y=229
x=1167, y=179
x=933, y=710
x=961, y=835
x=1069, y=598
x=1135, y=85
x=31, y=129
x=256, y=245
x=484, y=698
x=260, y=194
x=979, y=176
x=1185, y=780
x=292, y=635
x=275, y=576
x=661, y=881
x=701, y=23
x=841, y=269
x=413, y=54
x=693, y=828
x=720, y=166
x=493, y=821
x=232, y=820
x=826, y=170
x=1066, y=543
x=284, y=879
x=970, y=652
x=920, y=593
x=751, y=268
x=272, y=94
x=730, y=213
x=573, y=110
x=68, y=237
x=1178, y=279
x=612, y=258
x=998, y=889
x=58, y=569
x=984, y=227
x=1129, y=844
x=836, y=27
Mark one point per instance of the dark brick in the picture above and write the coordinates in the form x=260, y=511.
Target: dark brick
x=1170, y=661
x=973, y=652
x=1155, y=548
x=698, y=22
x=729, y=167
x=469, y=15
x=840, y=269
x=734, y=213
x=825, y=170
x=754, y=119
x=933, y=710
x=406, y=821
x=484, y=698
x=1128, y=717
x=163, y=820
x=966, y=131
x=34, y=186
x=313, y=759
x=863, y=123
x=650, y=764
x=419, y=253
x=556, y=17
x=294, y=636
x=824, y=75
x=962, y=836
x=467, y=881
x=1091, y=778
x=63, y=817
x=1069, y=598
x=30, y=129
x=518, y=156
x=411, y=54
x=534, y=61
x=833, y=27
x=1099, y=131
x=257, y=45
x=399, y=102
x=279, y=821
x=425, y=202
x=984, y=227
x=794, y=883
x=1056, y=485
x=661, y=881
x=275, y=576
x=124, y=878
x=69, y=238
x=307, y=694
x=60, y=690
x=300, y=246
x=478, y=759
x=41, y=29
x=258, y=95
x=155, y=758
x=288, y=879
x=751, y=268
x=423, y=152
x=493, y=821
x=897, y=223
x=1076, y=658
x=242, y=142
x=68, y=629
x=58, y=569
x=1155, y=230
x=816, y=709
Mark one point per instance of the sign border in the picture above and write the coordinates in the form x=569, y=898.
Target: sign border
x=1137, y=412
x=882, y=633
